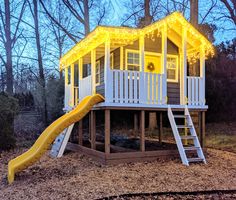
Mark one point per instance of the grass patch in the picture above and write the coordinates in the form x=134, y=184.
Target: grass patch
x=221, y=136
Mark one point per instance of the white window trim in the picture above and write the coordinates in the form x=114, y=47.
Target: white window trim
x=176, y=80
x=126, y=57
x=99, y=82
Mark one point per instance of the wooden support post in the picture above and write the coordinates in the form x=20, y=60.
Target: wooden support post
x=93, y=129
x=203, y=130
x=81, y=132
x=107, y=131
x=135, y=122
x=160, y=127
x=152, y=121
x=142, y=134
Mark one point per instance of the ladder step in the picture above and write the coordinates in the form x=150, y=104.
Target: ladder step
x=191, y=148
x=188, y=137
x=183, y=126
x=180, y=116
x=195, y=159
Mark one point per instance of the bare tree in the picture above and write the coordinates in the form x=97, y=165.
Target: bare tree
x=9, y=36
x=80, y=11
x=230, y=5
x=147, y=18
x=42, y=82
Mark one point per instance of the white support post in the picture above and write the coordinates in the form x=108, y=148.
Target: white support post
x=107, y=73
x=72, y=77
x=164, y=63
x=93, y=68
x=141, y=63
x=183, y=72
x=80, y=75
x=80, y=68
x=65, y=88
x=202, y=75
x=122, y=67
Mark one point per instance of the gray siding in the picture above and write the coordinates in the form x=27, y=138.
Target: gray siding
x=151, y=45
x=100, y=89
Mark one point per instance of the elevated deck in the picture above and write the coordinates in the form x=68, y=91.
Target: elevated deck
x=147, y=107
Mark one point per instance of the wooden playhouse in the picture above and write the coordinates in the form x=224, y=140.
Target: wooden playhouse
x=159, y=68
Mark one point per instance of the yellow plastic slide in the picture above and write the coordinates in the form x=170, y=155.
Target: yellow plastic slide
x=49, y=135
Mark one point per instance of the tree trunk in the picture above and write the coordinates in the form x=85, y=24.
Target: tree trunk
x=148, y=17
x=194, y=67
x=8, y=48
x=42, y=81
x=86, y=17
x=194, y=13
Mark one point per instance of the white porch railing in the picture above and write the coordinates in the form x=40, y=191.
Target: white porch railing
x=85, y=87
x=195, y=92
x=136, y=87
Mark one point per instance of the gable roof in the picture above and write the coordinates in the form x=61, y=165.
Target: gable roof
x=125, y=35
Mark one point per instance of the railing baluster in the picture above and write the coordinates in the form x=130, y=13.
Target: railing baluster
x=154, y=89
x=189, y=91
x=116, y=86
x=135, y=87
x=159, y=89
x=126, y=86
x=197, y=91
x=131, y=87
x=121, y=86
x=192, y=91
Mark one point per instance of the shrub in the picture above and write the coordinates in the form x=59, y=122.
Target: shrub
x=8, y=109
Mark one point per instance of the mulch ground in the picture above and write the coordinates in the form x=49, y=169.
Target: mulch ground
x=75, y=176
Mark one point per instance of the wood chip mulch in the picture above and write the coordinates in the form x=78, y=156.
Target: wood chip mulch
x=75, y=176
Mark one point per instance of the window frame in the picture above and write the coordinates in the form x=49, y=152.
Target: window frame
x=176, y=80
x=126, y=59
x=99, y=73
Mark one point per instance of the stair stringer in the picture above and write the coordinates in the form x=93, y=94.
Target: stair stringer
x=193, y=133
x=178, y=140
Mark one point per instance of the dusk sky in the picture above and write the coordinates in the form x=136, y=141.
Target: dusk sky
x=220, y=34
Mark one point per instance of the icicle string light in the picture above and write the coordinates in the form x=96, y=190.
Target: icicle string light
x=126, y=35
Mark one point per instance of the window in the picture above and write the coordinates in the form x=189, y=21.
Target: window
x=112, y=60
x=69, y=76
x=76, y=75
x=86, y=70
x=172, y=69
x=97, y=73
x=132, y=60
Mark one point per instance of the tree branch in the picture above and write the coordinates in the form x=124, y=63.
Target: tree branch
x=57, y=23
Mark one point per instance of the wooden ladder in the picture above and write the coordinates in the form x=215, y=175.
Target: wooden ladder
x=60, y=142
x=189, y=127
